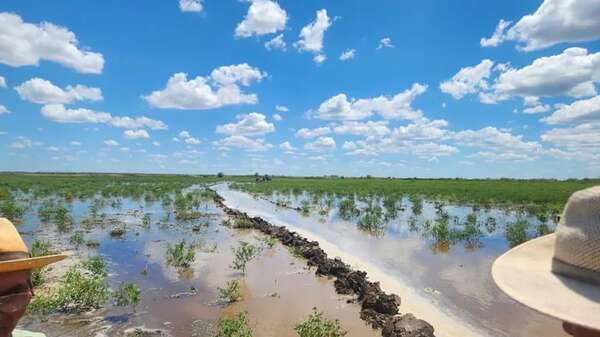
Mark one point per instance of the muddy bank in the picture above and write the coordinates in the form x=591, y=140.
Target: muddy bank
x=379, y=309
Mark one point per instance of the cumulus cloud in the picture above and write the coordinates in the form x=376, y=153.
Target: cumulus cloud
x=58, y=113
x=348, y=54
x=190, y=5
x=311, y=35
x=287, y=147
x=321, y=144
x=339, y=107
x=244, y=143
x=111, y=142
x=498, y=144
x=263, y=17
x=23, y=44
x=41, y=91
x=222, y=88
x=468, y=80
x=369, y=128
x=386, y=42
x=136, y=134
x=23, y=143
x=277, y=117
x=306, y=133
x=2, y=82
x=554, y=22
x=540, y=108
x=187, y=138
x=3, y=110
x=583, y=138
x=281, y=108
x=252, y=124
x=585, y=110
x=276, y=43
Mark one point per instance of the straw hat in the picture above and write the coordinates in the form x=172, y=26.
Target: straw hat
x=14, y=255
x=559, y=274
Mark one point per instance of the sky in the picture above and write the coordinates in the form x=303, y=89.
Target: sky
x=315, y=87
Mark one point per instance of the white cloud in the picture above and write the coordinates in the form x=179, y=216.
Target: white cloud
x=222, y=88
x=422, y=129
x=187, y=138
x=23, y=44
x=2, y=82
x=136, y=134
x=468, y=80
x=369, y=128
x=42, y=91
x=58, y=113
x=111, y=142
x=583, y=137
x=276, y=43
x=281, y=108
x=321, y=144
x=386, y=42
x=263, y=17
x=585, y=110
x=243, y=142
x=190, y=5
x=541, y=108
x=306, y=133
x=396, y=107
x=252, y=124
x=349, y=146
x=498, y=36
x=24, y=143
x=3, y=110
x=75, y=143
x=499, y=144
x=554, y=22
x=319, y=58
x=287, y=147
x=277, y=117
x=155, y=143
x=571, y=73
x=311, y=35
x=348, y=54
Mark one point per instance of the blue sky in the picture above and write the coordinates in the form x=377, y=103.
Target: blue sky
x=426, y=89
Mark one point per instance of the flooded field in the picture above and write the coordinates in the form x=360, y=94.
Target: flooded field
x=444, y=251
x=133, y=237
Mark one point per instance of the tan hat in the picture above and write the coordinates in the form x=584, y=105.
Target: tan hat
x=559, y=274
x=14, y=255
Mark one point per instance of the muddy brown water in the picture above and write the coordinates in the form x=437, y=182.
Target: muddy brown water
x=278, y=289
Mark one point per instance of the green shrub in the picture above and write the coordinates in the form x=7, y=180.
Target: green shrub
x=10, y=210
x=77, y=239
x=516, y=233
x=39, y=248
x=243, y=223
x=236, y=326
x=95, y=265
x=242, y=255
x=179, y=256
x=348, y=209
x=146, y=219
x=128, y=294
x=317, y=325
x=231, y=292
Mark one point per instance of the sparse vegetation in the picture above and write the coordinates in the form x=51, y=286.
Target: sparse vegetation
x=236, y=326
x=243, y=254
x=231, y=292
x=516, y=233
x=127, y=294
x=180, y=256
x=317, y=325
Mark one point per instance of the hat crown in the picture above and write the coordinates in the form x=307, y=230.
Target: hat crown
x=10, y=239
x=577, y=246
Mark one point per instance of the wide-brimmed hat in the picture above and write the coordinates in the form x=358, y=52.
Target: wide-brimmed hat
x=559, y=274
x=14, y=255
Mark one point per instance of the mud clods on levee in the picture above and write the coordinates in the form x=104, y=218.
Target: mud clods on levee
x=379, y=309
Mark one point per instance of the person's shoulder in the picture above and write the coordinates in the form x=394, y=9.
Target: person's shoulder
x=23, y=333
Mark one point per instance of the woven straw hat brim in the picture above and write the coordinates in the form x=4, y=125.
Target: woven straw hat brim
x=29, y=263
x=525, y=274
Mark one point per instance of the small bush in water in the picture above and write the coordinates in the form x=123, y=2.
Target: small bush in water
x=128, y=294
x=516, y=233
x=317, y=325
x=81, y=290
x=39, y=248
x=236, y=326
x=231, y=292
x=243, y=223
x=9, y=209
x=179, y=256
x=77, y=239
x=242, y=255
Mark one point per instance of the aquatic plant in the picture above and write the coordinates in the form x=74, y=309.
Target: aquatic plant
x=39, y=248
x=236, y=326
x=77, y=239
x=372, y=219
x=146, y=219
x=348, y=209
x=95, y=265
x=61, y=218
x=179, y=256
x=317, y=325
x=267, y=241
x=243, y=254
x=242, y=223
x=81, y=290
x=127, y=294
x=305, y=206
x=516, y=233
x=231, y=292
x=417, y=205
x=490, y=224
x=10, y=210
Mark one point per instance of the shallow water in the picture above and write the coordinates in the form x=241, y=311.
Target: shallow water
x=456, y=278
x=278, y=290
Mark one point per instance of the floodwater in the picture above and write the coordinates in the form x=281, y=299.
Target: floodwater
x=454, y=278
x=278, y=289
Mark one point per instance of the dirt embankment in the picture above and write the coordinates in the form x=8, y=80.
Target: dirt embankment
x=379, y=309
